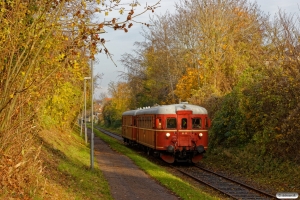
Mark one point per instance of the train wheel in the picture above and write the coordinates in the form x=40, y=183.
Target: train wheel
x=148, y=151
x=145, y=149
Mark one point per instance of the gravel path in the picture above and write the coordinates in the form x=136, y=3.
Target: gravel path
x=126, y=180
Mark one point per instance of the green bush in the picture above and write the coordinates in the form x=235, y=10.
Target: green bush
x=264, y=112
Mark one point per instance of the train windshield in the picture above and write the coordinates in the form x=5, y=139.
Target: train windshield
x=184, y=123
x=196, y=123
x=171, y=122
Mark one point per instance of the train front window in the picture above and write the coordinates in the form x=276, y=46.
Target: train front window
x=196, y=123
x=184, y=123
x=171, y=122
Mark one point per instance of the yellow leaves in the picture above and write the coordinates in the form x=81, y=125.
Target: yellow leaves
x=97, y=10
x=106, y=13
x=75, y=64
x=60, y=57
x=11, y=95
x=187, y=83
x=134, y=4
x=83, y=3
x=121, y=11
x=201, y=76
x=48, y=45
x=3, y=10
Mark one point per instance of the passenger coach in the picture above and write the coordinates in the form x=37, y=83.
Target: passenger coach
x=174, y=132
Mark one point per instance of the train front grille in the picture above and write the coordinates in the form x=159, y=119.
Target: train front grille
x=184, y=141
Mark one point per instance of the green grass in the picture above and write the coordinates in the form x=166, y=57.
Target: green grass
x=181, y=188
x=68, y=169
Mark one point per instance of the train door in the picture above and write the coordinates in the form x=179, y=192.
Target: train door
x=182, y=121
x=184, y=138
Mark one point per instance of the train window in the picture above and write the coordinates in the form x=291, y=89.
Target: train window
x=196, y=123
x=171, y=122
x=184, y=123
x=147, y=122
x=159, y=123
x=206, y=122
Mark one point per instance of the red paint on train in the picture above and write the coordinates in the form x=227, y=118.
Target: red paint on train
x=174, y=132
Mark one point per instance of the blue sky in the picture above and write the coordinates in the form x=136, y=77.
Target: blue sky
x=119, y=42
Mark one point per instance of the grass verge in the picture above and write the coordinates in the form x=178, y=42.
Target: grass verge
x=272, y=173
x=67, y=173
x=182, y=189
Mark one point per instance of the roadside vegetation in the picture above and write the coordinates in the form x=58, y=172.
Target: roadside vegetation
x=240, y=64
x=181, y=188
x=46, y=50
x=66, y=168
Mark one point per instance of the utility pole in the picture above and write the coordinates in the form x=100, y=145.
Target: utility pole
x=92, y=133
x=85, y=129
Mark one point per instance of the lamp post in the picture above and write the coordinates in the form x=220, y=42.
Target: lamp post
x=85, y=129
x=92, y=133
x=81, y=120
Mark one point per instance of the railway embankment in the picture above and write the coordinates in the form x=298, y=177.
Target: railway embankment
x=272, y=174
x=66, y=173
x=176, y=186
x=268, y=174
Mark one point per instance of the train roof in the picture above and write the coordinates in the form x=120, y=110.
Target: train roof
x=168, y=109
x=130, y=112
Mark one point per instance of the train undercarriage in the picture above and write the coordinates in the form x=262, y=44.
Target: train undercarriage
x=171, y=155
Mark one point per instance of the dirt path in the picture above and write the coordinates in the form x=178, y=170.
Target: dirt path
x=126, y=180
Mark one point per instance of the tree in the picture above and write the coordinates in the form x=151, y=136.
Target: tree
x=263, y=108
x=200, y=50
x=229, y=35
x=45, y=49
x=119, y=103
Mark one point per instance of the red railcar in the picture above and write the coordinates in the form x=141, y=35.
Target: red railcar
x=175, y=132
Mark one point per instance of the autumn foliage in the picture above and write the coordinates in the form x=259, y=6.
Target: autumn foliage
x=233, y=59
x=46, y=49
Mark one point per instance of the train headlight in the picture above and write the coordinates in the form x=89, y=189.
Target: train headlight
x=168, y=134
x=200, y=134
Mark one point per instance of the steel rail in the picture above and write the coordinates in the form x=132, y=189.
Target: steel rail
x=238, y=182
x=114, y=135
x=225, y=185
x=238, y=193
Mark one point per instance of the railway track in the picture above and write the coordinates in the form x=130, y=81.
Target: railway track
x=114, y=135
x=227, y=186
x=221, y=183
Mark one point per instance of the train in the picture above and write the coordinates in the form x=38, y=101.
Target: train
x=175, y=132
